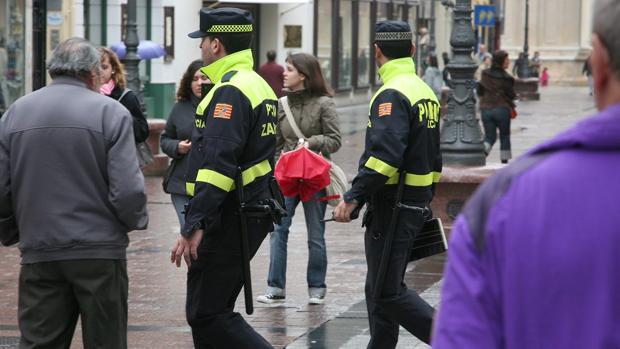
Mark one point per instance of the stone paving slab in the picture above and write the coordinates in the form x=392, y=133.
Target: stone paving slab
x=349, y=330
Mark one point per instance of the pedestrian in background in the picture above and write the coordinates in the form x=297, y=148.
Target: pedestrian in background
x=486, y=64
x=273, y=73
x=433, y=77
x=535, y=63
x=482, y=54
x=315, y=114
x=230, y=172
x=534, y=254
x=587, y=70
x=445, y=72
x=401, y=155
x=176, y=139
x=518, y=69
x=70, y=191
x=113, y=85
x=544, y=77
x=497, y=95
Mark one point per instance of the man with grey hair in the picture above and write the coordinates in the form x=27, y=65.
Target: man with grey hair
x=534, y=256
x=70, y=191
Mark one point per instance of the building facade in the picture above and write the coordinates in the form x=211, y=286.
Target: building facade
x=13, y=51
x=102, y=22
x=338, y=32
x=559, y=29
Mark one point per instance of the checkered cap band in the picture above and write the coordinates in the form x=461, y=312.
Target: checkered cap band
x=393, y=36
x=230, y=28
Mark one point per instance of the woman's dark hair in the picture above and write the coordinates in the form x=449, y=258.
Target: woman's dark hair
x=184, y=93
x=432, y=61
x=499, y=57
x=309, y=66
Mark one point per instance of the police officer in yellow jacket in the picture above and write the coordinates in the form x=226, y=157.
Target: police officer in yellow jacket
x=234, y=136
x=402, y=135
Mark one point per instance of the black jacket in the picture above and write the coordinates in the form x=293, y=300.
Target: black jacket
x=235, y=129
x=179, y=127
x=402, y=134
x=131, y=102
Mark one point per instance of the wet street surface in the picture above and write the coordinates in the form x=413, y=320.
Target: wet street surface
x=157, y=287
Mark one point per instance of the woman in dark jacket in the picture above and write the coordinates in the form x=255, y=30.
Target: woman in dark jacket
x=113, y=86
x=497, y=95
x=175, y=141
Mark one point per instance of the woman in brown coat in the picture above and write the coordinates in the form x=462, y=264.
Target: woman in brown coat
x=315, y=114
x=497, y=94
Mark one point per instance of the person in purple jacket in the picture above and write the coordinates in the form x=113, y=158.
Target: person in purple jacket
x=535, y=255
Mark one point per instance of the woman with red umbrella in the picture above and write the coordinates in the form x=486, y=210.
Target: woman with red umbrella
x=314, y=113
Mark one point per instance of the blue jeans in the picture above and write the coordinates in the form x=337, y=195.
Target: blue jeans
x=492, y=120
x=317, y=259
x=179, y=201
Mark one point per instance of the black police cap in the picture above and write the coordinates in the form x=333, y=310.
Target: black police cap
x=224, y=20
x=392, y=31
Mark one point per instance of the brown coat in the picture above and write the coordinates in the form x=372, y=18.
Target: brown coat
x=496, y=89
x=317, y=119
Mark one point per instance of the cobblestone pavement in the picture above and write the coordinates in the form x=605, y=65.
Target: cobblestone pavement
x=157, y=288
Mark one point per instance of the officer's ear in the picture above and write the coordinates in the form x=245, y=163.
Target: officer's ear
x=378, y=53
x=379, y=56
x=217, y=47
x=412, y=49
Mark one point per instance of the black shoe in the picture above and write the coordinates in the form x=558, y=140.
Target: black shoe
x=504, y=161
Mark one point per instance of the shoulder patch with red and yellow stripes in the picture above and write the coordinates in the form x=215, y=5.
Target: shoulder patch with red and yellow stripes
x=223, y=111
x=385, y=109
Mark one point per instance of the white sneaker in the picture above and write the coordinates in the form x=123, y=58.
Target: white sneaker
x=316, y=299
x=270, y=299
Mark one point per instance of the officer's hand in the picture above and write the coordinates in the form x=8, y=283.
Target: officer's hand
x=188, y=248
x=184, y=146
x=342, y=213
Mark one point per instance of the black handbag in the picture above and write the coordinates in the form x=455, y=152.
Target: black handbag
x=145, y=156
x=168, y=175
x=143, y=151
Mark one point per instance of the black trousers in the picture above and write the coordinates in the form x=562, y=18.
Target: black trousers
x=397, y=305
x=214, y=281
x=53, y=294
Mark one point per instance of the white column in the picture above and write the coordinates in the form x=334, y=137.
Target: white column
x=78, y=19
x=586, y=24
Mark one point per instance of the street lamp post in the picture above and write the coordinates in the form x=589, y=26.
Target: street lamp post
x=132, y=60
x=526, y=47
x=431, y=42
x=461, y=136
x=39, y=43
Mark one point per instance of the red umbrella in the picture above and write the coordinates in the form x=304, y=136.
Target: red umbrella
x=302, y=172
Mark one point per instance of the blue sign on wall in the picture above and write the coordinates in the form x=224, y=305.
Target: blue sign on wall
x=484, y=15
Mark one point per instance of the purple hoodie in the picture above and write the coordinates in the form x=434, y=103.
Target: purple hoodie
x=534, y=257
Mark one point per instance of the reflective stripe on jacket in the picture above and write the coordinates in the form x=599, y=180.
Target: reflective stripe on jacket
x=235, y=127
x=402, y=134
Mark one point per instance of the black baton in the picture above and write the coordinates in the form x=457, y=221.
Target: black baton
x=245, y=248
x=389, y=237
